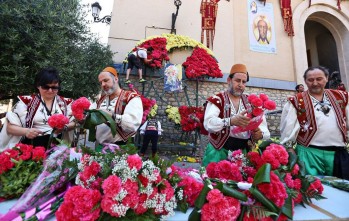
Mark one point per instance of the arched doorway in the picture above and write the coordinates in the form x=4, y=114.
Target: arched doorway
x=332, y=26
x=322, y=50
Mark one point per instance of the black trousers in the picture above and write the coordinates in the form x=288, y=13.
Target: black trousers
x=38, y=141
x=235, y=144
x=150, y=135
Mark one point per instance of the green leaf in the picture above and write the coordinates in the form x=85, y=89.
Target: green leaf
x=287, y=207
x=194, y=215
x=262, y=175
x=228, y=191
x=201, y=200
x=265, y=201
x=97, y=117
x=292, y=159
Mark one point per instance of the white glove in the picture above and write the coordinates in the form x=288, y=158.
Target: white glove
x=142, y=133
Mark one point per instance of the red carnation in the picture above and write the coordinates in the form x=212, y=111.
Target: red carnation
x=58, y=121
x=79, y=106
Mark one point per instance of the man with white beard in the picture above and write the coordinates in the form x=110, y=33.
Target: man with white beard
x=124, y=106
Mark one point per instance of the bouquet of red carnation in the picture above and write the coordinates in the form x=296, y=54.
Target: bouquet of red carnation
x=159, y=52
x=79, y=106
x=191, y=117
x=201, y=64
x=268, y=183
x=18, y=168
x=255, y=112
x=118, y=186
x=58, y=121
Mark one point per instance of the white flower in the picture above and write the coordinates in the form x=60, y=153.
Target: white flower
x=244, y=186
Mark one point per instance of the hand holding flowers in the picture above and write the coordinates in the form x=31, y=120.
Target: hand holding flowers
x=255, y=111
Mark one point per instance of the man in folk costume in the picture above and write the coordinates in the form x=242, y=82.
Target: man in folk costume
x=227, y=110
x=125, y=107
x=316, y=120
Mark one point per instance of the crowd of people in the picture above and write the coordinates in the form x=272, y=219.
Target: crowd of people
x=306, y=119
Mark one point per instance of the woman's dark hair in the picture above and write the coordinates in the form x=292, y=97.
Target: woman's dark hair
x=47, y=76
x=321, y=68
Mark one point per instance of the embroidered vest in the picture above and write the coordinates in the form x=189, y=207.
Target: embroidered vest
x=33, y=102
x=222, y=101
x=306, y=116
x=124, y=98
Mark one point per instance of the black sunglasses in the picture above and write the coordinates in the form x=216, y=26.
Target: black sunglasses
x=54, y=88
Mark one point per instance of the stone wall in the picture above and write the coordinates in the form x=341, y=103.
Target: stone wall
x=195, y=93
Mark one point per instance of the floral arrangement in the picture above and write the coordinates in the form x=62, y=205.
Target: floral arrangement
x=173, y=114
x=19, y=167
x=191, y=117
x=79, y=106
x=159, y=53
x=90, y=118
x=44, y=195
x=256, y=110
x=200, y=64
x=262, y=185
x=57, y=121
x=119, y=185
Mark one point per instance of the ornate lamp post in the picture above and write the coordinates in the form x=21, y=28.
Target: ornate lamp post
x=177, y=3
x=96, y=9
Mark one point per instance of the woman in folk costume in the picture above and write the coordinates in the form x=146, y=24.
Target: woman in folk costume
x=27, y=122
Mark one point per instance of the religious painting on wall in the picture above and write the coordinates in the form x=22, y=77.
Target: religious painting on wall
x=173, y=77
x=261, y=27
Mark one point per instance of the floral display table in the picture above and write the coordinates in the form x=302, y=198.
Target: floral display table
x=333, y=208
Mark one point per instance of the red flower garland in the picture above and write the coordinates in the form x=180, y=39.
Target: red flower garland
x=201, y=64
x=159, y=52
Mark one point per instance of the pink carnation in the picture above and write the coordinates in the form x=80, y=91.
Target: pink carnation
x=274, y=191
x=79, y=204
x=26, y=151
x=220, y=207
x=134, y=161
x=112, y=185
x=39, y=153
x=191, y=189
x=257, y=102
x=79, y=106
x=264, y=97
x=276, y=155
x=58, y=121
x=269, y=105
x=257, y=111
x=251, y=97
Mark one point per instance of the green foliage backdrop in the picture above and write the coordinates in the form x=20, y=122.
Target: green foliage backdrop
x=42, y=33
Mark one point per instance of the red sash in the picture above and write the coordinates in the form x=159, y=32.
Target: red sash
x=306, y=117
x=222, y=101
x=124, y=98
